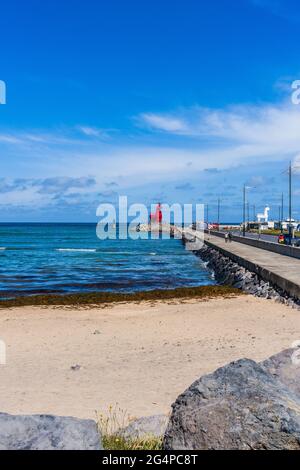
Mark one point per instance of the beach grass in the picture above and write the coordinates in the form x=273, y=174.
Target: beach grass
x=115, y=442
x=110, y=426
x=96, y=299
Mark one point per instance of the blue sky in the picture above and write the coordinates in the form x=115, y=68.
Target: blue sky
x=178, y=101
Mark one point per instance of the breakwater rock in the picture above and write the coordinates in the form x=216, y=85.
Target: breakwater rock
x=47, y=432
x=167, y=229
x=147, y=426
x=230, y=273
x=244, y=405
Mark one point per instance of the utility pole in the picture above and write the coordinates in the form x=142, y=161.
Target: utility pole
x=244, y=211
x=281, y=219
x=254, y=211
x=207, y=215
x=219, y=203
x=279, y=216
x=290, y=203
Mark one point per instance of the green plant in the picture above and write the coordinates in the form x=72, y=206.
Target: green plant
x=110, y=425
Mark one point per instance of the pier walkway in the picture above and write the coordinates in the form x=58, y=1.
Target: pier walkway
x=281, y=270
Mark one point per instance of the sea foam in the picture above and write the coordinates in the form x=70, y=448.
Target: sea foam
x=84, y=250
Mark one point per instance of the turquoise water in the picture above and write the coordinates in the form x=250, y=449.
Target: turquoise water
x=68, y=258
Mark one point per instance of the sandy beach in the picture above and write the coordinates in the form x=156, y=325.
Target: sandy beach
x=70, y=361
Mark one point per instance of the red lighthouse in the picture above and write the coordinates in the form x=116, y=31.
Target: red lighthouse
x=157, y=217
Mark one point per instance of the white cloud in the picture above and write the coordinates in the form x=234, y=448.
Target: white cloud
x=93, y=131
x=193, y=140
x=9, y=139
x=163, y=122
x=296, y=164
x=35, y=137
x=268, y=129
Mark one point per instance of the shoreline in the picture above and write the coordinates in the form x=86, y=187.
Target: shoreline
x=76, y=361
x=95, y=299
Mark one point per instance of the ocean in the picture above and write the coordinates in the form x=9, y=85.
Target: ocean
x=69, y=258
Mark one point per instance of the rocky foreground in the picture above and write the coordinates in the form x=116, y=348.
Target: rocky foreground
x=243, y=405
x=45, y=432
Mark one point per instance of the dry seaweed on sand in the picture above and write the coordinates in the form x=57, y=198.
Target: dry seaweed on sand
x=95, y=299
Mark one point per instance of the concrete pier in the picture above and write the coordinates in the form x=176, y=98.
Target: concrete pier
x=280, y=270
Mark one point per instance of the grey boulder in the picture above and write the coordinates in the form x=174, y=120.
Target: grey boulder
x=46, y=432
x=154, y=426
x=243, y=405
x=284, y=369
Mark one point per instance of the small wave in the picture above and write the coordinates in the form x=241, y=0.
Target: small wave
x=120, y=252
x=83, y=250
x=152, y=254
x=2, y=248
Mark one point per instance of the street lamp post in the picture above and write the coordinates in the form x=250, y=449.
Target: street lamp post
x=290, y=204
x=244, y=210
x=281, y=217
x=207, y=215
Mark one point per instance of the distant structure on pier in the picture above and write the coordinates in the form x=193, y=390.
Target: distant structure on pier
x=157, y=216
x=263, y=217
x=262, y=221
